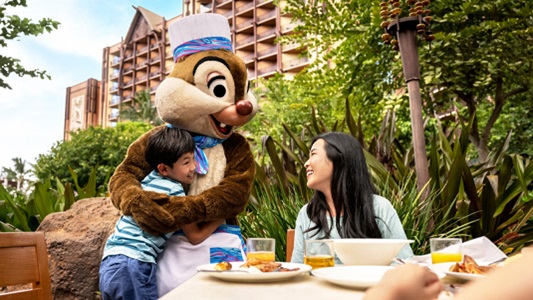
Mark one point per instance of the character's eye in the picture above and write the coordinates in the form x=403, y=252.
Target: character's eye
x=248, y=88
x=217, y=86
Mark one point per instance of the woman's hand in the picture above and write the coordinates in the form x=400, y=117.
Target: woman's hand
x=406, y=282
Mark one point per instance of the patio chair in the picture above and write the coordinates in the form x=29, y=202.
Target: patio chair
x=290, y=244
x=24, y=260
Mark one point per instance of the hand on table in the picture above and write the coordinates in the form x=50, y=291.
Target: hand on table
x=408, y=281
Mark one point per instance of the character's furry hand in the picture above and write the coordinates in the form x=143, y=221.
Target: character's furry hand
x=147, y=210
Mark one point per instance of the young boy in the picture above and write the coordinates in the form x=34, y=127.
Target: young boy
x=128, y=268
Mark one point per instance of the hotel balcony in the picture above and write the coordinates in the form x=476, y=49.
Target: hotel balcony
x=261, y=3
x=269, y=17
x=245, y=10
x=266, y=71
x=294, y=65
x=268, y=35
x=223, y=3
x=115, y=61
x=245, y=43
x=245, y=25
x=272, y=51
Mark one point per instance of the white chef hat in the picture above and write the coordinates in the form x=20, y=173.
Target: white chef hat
x=197, y=33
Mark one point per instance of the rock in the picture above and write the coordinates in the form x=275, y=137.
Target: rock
x=75, y=240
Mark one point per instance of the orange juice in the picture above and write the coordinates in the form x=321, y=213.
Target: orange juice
x=440, y=257
x=262, y=255
x=319, y=261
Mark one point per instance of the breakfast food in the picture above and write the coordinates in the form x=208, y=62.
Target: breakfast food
x=470, y=266
x=262, y=265
x=223, y=266
x=266, y=266
x=255, y=266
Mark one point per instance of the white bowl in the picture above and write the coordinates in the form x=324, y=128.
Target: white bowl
x=368, y=252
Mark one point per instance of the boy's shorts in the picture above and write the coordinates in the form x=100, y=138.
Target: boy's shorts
x=122, y=277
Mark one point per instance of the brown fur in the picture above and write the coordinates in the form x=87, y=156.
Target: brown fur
x=183, y=69
x=225, y=200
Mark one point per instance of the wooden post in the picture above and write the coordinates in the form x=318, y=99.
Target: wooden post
x=405, y=30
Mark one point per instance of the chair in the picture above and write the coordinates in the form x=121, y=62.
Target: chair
x=24, y=260
x=290, y=244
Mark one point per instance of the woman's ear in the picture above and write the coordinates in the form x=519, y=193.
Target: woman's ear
x=162, y=169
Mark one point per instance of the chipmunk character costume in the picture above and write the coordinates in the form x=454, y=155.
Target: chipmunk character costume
x=207, y=94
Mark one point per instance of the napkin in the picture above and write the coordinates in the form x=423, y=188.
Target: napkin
x=481, y=249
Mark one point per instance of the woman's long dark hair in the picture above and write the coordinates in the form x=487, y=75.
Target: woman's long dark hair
x=352, y=191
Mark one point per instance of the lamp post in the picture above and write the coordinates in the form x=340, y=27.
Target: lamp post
x=401, y=34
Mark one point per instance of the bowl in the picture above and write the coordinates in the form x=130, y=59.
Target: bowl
x=368, y=252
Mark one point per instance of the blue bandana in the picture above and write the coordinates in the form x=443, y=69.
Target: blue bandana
x=202, y=44
x=203, y=142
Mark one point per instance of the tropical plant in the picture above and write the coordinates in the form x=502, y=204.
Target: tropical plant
x=12, y=28
x=270, y=214
x=467, y=199
x=19, y=172
x=140, y=109
x=45, y=199
x=94, y=147
x=463, y=73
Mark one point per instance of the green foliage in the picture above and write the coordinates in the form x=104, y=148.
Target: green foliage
x=18, y=173
x=26, y=215
x=100, y=148
x=480, y=61
x=12, y=28
x=270, y=214
x=140, y=109
x=467, y=199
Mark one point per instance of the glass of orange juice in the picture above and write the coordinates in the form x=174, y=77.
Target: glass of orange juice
x=446, y=250
x=319, y=253
x=261, y=248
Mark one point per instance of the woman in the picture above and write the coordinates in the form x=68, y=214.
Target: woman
x=344, y=204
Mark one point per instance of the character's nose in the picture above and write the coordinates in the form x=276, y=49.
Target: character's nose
x=244, y=107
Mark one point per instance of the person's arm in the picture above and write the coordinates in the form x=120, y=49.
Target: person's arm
x=157, y=213
x=128, y=196
x=390, y=224
x=406, y=282
x=198, y=232
x=225, y=200
x=513, y=281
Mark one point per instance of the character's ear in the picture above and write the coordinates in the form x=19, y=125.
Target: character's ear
x=163, y=169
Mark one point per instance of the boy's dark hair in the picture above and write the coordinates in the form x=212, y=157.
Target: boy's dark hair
x=166, y=146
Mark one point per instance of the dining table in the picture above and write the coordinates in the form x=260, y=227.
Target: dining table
x=302, y=287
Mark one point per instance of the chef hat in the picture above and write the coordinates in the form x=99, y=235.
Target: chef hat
x=198, y=33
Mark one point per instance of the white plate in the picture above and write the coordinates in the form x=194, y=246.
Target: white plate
x=352, y=276
x=356, y=276
x=255, y=277
x=445, y=268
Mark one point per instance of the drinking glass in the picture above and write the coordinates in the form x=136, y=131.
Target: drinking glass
x=319, y=253
x=261, y=248
x=446, y=250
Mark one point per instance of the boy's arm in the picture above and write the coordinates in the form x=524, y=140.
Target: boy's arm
x=157, y=213
x=198, y=232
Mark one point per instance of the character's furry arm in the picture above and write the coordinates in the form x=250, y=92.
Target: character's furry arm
x=156, y=213
x=229, y=197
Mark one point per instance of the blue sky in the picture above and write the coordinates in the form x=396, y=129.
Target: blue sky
x=32, y=113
